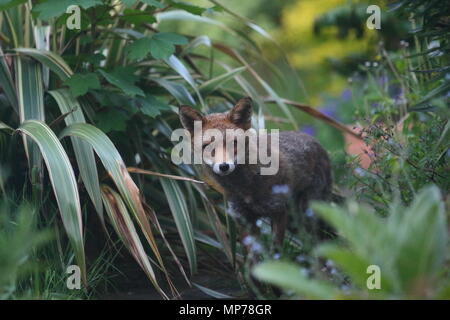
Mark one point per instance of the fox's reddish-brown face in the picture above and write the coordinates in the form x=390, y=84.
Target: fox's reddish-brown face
x=216, y=154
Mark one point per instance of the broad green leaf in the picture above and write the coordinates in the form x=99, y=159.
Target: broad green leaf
x=290, y=277
x=170, y=37
x=139, y=48
x=150, y=105
x=421, y=236
x=187, y=7
x=161, y=49
x=123, y=225
x=153, y=3
x=137, y=17
x=123, y=78
x=63, y=182
x=80, y=84
x=54, y=8
x=83, y=151
x=111, y=120
x=354, y=266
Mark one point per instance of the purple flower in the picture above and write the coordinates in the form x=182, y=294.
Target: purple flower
x=346, y=95
x=308, y=130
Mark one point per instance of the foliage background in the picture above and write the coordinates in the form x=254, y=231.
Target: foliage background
x=114, y=87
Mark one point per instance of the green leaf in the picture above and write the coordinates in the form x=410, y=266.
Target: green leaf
x=84, y=153
x=111, y=120
x=123, y=78
x=178, y=207
x=153, y=3
x=7, y=83
x=113, y=163
x=128, y=3
x=161, y=49
x=150, y=105
x=187, y=7
x=124, y=227
x=53, y=8
x=354, y=265
x=80, y=84
x=139, y=49
x=289, y=277
x=178, y=91
x=212, y=293
x=6, y=4
x=137, y=17
x=51, y=60
x=171, y=37
x=212, y=84
x=30, y=93
x=63, y=182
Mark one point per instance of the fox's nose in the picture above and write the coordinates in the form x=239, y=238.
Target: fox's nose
x=224, y=167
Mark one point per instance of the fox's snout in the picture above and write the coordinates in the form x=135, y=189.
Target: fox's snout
x=223, y=168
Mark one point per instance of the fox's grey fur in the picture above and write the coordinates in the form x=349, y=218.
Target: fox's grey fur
x=303, y=175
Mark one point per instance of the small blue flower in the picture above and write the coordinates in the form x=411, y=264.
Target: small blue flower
x=280, y=188
x=308, y=130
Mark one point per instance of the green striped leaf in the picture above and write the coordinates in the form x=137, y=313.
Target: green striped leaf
x=30, y=94
x=178, y=207
x=84, y=153
x=51, y=60
x=117, y=170
x=63, y=182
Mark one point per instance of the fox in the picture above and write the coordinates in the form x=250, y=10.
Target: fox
x=303, y=173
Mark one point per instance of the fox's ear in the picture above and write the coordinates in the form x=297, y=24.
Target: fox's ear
x=241, y=114
x=188, y=116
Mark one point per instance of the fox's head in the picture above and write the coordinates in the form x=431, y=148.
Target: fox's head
x=219, y=157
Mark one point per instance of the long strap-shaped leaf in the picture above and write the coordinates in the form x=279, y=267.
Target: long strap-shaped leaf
x=63, y=182
x=124, y=227
x=30, y=93
x=51, y=60
x=113, y=162
x=83, y=150
x=178, y=206
x=7, y=83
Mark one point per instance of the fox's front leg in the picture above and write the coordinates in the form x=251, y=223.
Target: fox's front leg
x=279, y=224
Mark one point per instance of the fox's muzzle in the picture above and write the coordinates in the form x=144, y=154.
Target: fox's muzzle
x=223, y=168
